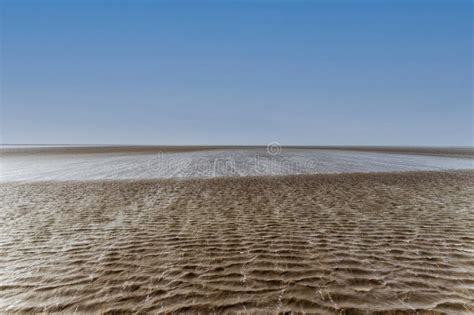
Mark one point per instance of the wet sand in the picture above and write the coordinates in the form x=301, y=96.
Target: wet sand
x=15, y=150
x=205, y=163
x=350, y=243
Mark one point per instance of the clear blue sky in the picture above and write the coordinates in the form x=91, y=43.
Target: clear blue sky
x=237, y=72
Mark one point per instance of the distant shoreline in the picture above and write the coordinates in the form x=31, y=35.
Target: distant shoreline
x=13, y=149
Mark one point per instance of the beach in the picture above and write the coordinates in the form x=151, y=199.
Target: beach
x=379, y=242
x=33, y=164
x=237, y=157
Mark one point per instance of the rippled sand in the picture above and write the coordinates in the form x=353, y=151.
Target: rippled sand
x=318, y=243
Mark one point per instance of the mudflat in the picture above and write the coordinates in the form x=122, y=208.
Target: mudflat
x=13, y=150
x=130, y=164
x=354, y=243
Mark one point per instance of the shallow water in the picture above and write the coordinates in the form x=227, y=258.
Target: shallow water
x=213, y=163
x=396, y=243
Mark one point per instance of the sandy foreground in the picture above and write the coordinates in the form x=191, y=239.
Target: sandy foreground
x=350, y=243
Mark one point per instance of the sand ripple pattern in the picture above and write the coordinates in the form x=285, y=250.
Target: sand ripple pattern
x=394, y=243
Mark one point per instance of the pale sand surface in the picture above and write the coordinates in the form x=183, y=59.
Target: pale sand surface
x=467, y=152
x=144, y=163
x=390, y=242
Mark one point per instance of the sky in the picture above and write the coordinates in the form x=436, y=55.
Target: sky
x=237, y=72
